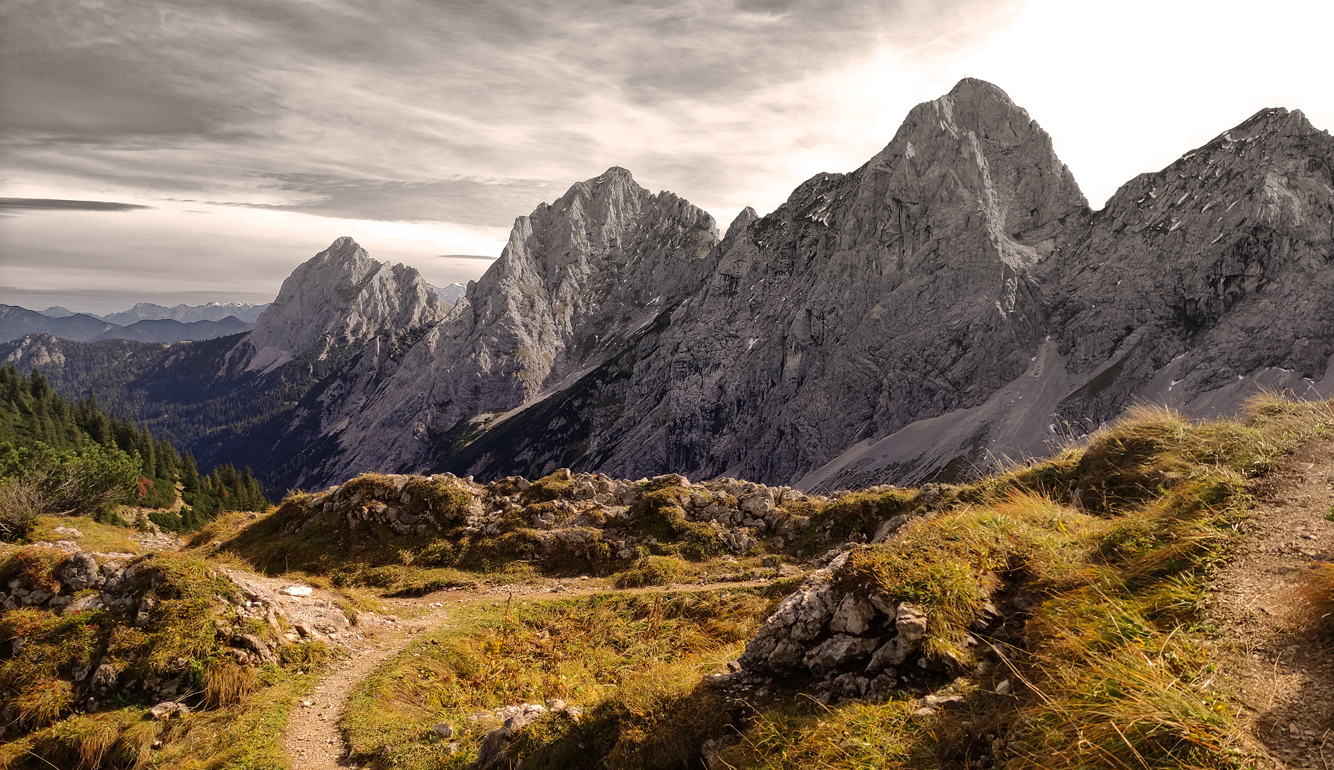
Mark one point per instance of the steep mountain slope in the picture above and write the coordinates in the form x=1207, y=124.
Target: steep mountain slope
x=1221, y=265
x=340, y=297
x=954, y=302
x=235, y=399
x=1195, y=287
x=868, y=300
x=577, y=278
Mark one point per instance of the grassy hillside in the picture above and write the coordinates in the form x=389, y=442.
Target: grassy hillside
x=1059, y=605
x=1062, y=603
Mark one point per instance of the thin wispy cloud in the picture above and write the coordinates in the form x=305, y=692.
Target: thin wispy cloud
x=56, y=204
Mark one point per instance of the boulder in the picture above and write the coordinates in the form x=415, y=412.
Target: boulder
x=853, y=616
x=840, y=651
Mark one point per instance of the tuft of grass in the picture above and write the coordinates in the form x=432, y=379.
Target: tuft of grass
x=226, y=683
x=1317, y=598
x=653, y=571
x=97, y=536
x=658, y=513
x=854, y=516
x=553, y=486
x=118, y=739
x=860, y=735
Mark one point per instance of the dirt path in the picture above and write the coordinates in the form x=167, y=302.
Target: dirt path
x=1279, y=671
x=312, y=740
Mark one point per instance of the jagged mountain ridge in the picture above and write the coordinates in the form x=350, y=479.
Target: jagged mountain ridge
x=940, y=280
x=1194, y=287
x=16, y=322
x=256, y=399
x=952, y=302
x=576, y=277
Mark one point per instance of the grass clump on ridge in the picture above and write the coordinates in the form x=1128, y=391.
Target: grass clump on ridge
x=653, y=571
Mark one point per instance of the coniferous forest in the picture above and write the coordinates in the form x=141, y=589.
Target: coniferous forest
x=58, y=456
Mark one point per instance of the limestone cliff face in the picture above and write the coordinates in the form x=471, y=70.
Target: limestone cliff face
x=578, y=277
x=954, y=302
x=339, y=297
x=1195, y=287
x=897, y=292
x=867, y=301
x=1208, y=272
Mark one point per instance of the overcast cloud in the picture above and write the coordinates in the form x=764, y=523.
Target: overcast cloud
x=202, y=149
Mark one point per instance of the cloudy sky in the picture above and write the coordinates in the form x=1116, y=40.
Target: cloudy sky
x=198, y=150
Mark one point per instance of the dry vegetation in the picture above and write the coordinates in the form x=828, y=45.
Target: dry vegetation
x=1062, y=600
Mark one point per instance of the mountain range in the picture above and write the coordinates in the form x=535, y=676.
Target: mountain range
x=951, y=304
x=16, y=322
x=213, y=311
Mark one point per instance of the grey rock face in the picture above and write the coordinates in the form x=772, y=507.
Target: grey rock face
x=867, y=301
x=578, y=277
x=1215, y=269
x=341, y=296
x=954, y=302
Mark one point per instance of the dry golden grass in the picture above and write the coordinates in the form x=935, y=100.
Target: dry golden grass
x=226, y=683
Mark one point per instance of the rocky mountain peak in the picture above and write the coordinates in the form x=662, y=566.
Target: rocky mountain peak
x=343, y=296
x=974, y=142
x=578, y=278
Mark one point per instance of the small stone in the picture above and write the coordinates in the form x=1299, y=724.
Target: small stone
x=1004, y=688
x=444, y=730
x=169, y=710
x=296, y=590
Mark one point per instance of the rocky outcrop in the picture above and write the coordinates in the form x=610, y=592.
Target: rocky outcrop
x=850, y=641
x=588, y=516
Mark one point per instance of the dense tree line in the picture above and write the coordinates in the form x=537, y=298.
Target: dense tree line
x=196, y=394
x=58, y=456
